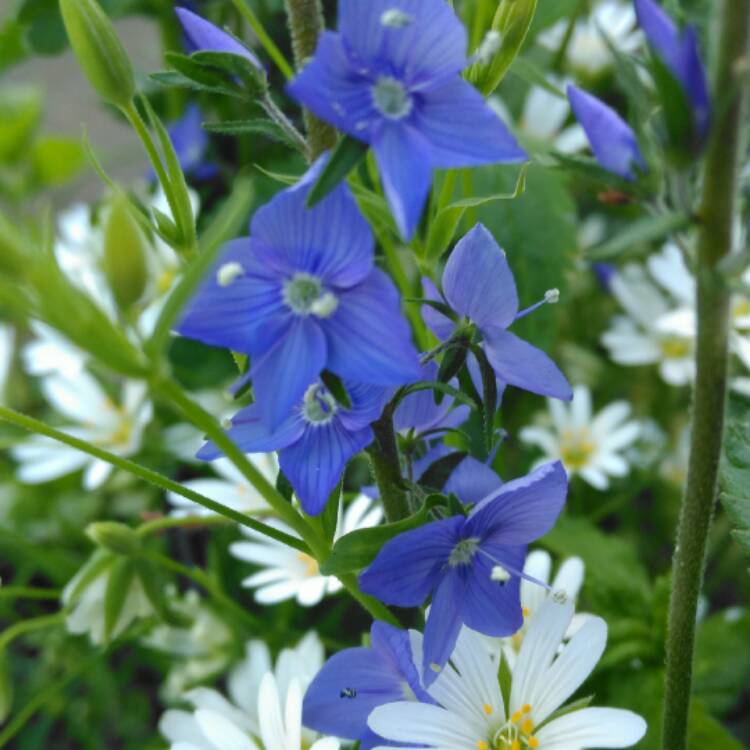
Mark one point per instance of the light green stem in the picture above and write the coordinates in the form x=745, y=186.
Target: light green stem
x=28, y=592
x=717, y=212
x=28, y=626
x=267, y=43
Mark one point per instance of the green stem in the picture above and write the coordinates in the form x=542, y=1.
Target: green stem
x=305, y=24
x=283, y=122
x=267, y=43
x=28, y=592
x=386, y=468
x=39, y=428
x=27, y=626
x=717, y=212
x=184, y=522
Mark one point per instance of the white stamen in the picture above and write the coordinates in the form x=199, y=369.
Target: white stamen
x=395, y=18
x=229, y=273
x=325, y=305
x=552, y=296
x=500, y=574
x=489, y=47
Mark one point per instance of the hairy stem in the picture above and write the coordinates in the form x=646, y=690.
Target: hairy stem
x=386, y=468
x=305, y=24
x=714, y=243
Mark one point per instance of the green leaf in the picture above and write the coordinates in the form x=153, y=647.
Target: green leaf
x=704, y=731
x=57, y=160
x=121, y=576
x=358, y=549
x=590, y=170
x=256, y=126
x=152, y=579
x=529, y=72
x=453, y=360
x=253, y=78
x=489, y=399
x=205, y=77
x=646, y=230
x=444, y=388
x=438, y=472
x=209, y=84
x=6, y=687
x=347, y=154
x=20, y=113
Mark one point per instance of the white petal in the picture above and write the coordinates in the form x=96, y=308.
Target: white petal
x=244, y=680
x=592, y=728
x=181, y=727
x=669, y=269
x=80, y=398
x=542, y=438
x=277, y=592
x=570, y=577
x=622, y=437
x=595, y=477
x=222, y=732
x=293, y=715
x=580, y=407
x=42, y=461
x=269, y=714
x=571, y=140
x=96, y=474
x=610, y=417
x=326, y=743
x=538, y=565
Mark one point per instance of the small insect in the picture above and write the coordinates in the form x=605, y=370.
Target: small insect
x=348, y=693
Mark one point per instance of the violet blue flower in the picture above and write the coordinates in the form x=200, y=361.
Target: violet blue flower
x=314, y=442
x=612, y=140
x=391, y=77
x=190, y=142
x=355, y=681
x=678, y=50
x=203, y=36
x=472, y=565
x=301, y=295
x=478, y=285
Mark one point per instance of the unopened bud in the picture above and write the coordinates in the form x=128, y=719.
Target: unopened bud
x=99, y=51
x=114, y=537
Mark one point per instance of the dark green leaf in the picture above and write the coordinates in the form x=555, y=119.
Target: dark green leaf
x=347, y=154
x=453, y=360
x=437, y=473
x=154, y=586
x=489, y=397
x=448, y=390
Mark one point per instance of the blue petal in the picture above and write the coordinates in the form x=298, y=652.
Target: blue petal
x=418, y=411
x=430, y=48
x=661, y=32
x=189, y=139
x=281, y=376
x=441, y=325
x=246, y=316
x=521, y=510
x=394, y=645
x=315, y=463
x=463, y=131
x=367, y=404
x=491, y=607
x=420, y=465
x=331, y=86
x=409, y=566
x=471, y=481
x=518, y=363
x=250, y=434
x=693, y=79
x=332, y=240
x=612, y=140
x=478, y=282
x=204, y=36
x=403, y=157
x=368, y=338
x=443, y=623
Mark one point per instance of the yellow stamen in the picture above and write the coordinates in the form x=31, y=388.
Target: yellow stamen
x=528, y=726
x=526, y=708
x=311, y=564
x=533, y=742
x=482, y=745
x=516, y=717
x=487, y=708
x=526, y=611
x=515, y=745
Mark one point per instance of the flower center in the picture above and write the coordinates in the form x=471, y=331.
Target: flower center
x=318, y=405
x=741, y=308
x=304, y=295
x=463, y=552
x=674, y=347
x=576, y=449
x=391, y=98
x=516, y=734
x=311, y=564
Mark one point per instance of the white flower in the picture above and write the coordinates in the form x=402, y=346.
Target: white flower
x=83, y=598
x=266, y=705
x=49, y=353
x=7, y=339
x=587, y=50
x=230, y=488
x=471, y=713
x=117, y=427
x=590, y=446
x=290, y=574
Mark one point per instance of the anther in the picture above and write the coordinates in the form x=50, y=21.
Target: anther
x=500, y=574
x=228, y=273
x=348, y=693
x=487, y=708
x=395, y=18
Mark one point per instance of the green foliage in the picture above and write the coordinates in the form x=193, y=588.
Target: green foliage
x=735, y=471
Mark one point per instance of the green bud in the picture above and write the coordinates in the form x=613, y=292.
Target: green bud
x=125, y=251
x=115, y=537
x=99, y=51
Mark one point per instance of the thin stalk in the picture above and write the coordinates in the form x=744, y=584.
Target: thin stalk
x=717, y=212
x=265, y=40
x=184, y=522
x=10, y=634
x=283, y=122
x=28, y=592
x=305, y=25
x=386, y=468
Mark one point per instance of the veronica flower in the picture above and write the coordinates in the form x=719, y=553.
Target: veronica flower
x=300, y=295
x=391, y=77
x=479, y=286
x=355, y=681
x=471, y=710
x=471, y=564
x=678, y=50
x=116, y=427
x=287, y=573
x=587, y=444
x=612, y=140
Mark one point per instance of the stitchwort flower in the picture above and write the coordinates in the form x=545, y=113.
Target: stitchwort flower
x=479, y=286
x=300, y=295
x=391, y=77
x=315, y=441
x=471, y=564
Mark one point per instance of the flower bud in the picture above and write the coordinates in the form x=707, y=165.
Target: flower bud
x=125, y=251
x=114, y=537
x=99, y=51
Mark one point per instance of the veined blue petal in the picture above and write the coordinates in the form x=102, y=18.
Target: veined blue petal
x=394, y=645
x=315, y=463
x=367, y=404
x=409, y=566
x=463, y=131
x=471, y=481
x=518, y=363
x=661, y=32
x=522, y=510
x=478, y=282
x=441, y=325
x=418, y=411
x=281, y=376
x=443, y=622
x=368, y=338
x=612, y=140
x=404, y=161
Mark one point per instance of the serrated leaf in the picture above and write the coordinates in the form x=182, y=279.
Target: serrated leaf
x=253, y=78
x=347, y=154
x=358, y=549
x=202, y=75
x=489, y=394
x=169, y=78
x=453, y=360
x=438, y=472
x=257, y=126
x=121, y=576
x=444, y=388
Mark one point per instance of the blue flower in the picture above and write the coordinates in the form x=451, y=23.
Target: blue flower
x=391, y=77
x=301, y=295
x=679, y=52
x=314, y=442
x=190, y=142
x=472, y=565
x=612, y=140
x=478, y=285
x=203, y=36
x=355, y=681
